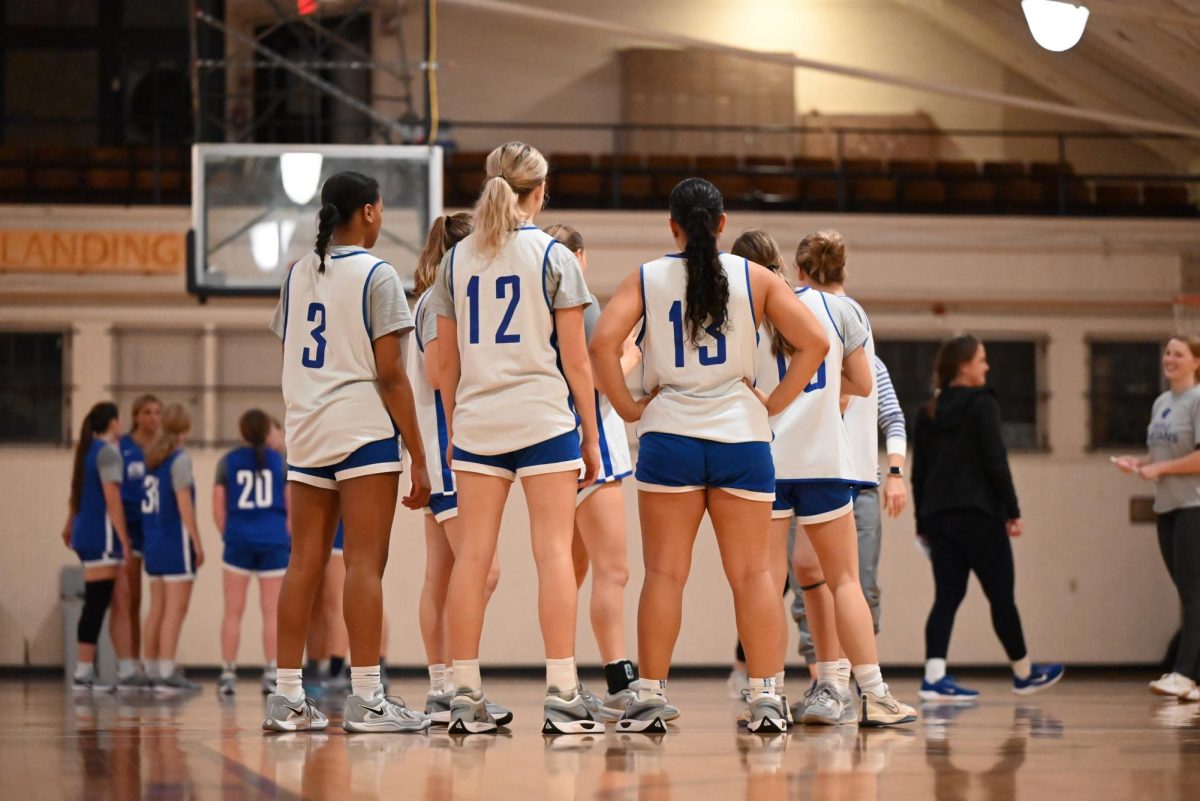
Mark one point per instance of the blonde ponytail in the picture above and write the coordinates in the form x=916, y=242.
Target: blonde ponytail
x=514, y=170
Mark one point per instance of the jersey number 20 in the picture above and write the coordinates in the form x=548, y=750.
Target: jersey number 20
x=707, y=358
x=258, y=485
x=507, y=286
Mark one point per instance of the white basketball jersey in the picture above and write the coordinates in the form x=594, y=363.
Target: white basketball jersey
x=333, y=405
x=703, y=393
x=615, y=461
x=512, y=393
x=811, y=443
x=430, y=415
x=862, y=414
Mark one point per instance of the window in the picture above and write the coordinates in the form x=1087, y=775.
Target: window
x=32, y=391
x=249, y=364
x=1124, y=380
x=1015, y=375
x=168, y=363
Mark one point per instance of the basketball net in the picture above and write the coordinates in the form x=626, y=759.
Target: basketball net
x=1187, y=314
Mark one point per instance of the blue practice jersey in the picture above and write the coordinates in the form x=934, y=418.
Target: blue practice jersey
x=255, y=506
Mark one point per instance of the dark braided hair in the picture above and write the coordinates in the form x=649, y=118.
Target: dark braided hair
x=697, y=206
x=98, y=419
x=342, y=195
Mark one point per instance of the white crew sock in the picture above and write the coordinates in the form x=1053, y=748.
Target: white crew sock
x=437, y=678
x=870, y=680
x=126, y=667
x=648, y=687
x=448, y=682
x=827, y=671
x=561, y=676
x=466, y=676
x=1022, y=668
x=229, y=667
x=269, y=668
x=364, y=681
x=765, y=686
x=779, y=682
x=85, y=670
x=935, y=670
x=166, y=668
x=289, y=684
x=843, y=676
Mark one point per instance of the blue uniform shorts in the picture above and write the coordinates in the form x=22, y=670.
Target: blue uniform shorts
x=170, y=557
x=263, y=560
x=381, y=456
x=556, y=455
x=442, y=506
x=675, y=463
x=813, y=501
x=133, y=524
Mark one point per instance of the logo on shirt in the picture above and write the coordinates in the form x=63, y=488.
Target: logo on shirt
x=1166, y=413
x=1161, y=433
x=136, y=470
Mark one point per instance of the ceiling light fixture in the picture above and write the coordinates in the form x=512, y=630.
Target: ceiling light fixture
x=1055, y=25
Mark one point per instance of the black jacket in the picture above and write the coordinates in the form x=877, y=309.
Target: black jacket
x=959, y=459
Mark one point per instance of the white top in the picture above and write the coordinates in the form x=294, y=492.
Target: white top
x=615, y=460
x=862, y=414
x=811, y=442
x=430, y=415
x=328, y=322
x=512, y=392
x=702, y=389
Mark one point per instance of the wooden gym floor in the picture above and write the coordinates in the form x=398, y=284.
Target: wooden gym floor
x=1088, y=738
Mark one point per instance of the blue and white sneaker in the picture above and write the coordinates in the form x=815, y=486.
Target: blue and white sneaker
x=1040, y=677
x=945, y=689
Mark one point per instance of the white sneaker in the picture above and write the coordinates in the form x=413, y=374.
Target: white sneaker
x=1172, y=684
x=1192, y=696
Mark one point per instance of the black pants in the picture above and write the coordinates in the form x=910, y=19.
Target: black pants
x=1179, y=541
x=961, y=542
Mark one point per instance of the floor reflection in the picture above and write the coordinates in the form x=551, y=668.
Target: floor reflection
x=1101, y=739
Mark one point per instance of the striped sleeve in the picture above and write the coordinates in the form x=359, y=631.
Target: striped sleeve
x=891, y=416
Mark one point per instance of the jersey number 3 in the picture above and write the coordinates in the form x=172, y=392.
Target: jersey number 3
x=507, y=286
x=315, y=356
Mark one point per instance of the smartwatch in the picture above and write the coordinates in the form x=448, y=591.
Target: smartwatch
x=898, y=472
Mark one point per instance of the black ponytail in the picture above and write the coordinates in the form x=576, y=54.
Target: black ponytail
x=342, y=195
x=98, y=419
x=697, y=206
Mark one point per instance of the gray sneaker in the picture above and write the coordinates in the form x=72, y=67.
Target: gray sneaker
x=175, y=683
x=644, y=715
x=381, y=714
x=824, y=706
x=269, y=682
x=437, y=707
x=885, y=711
x=88, y=684
x=591, y=699
x=849, y=709
x=470, y=715
x=134, y=682
x=615, y=704
x=768, y=715
x=569, y=713
x=227, y=684
x=285, y=715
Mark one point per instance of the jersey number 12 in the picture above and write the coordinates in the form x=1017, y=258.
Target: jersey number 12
x=507, y=286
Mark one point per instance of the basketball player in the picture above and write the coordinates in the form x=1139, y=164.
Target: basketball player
x=699, y=311
x=96, y=531
x=600, y=537
x=513, y=355
x=443, y=536
x=815, y=474
x=341, y=315
x=250, y=510
x=173, y=549
x=147, y=414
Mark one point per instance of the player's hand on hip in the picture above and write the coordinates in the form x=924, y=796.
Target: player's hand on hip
x=66, y=534
x=1015, y=527
x=758, y=393
x=418, y=494
x=639, y=406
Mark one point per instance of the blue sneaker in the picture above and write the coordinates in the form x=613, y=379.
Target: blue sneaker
x=945, y=689
x=1040, y=677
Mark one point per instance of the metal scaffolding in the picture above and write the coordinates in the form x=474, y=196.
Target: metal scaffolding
x=262, y=71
